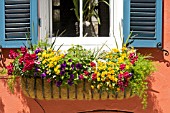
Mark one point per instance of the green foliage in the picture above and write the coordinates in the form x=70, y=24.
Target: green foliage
x=11, y=83
x=139, y=84
x=89, y=9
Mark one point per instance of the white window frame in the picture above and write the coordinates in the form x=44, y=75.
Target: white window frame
x=116, y=17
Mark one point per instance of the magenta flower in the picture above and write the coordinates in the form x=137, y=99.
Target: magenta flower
x=81, y=77
x=122, y=66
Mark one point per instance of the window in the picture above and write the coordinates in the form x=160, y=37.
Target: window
x=105, y=31
x=18, y=18
x=144, y=19
x=65, y=19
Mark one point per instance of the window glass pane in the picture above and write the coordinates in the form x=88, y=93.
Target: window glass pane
x=96, y=18
x=64, y=19
x=56, y=2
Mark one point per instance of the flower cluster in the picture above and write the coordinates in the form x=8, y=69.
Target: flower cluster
x=115, y=70
x=110, y=71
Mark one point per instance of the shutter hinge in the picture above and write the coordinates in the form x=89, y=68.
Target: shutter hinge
x=0, y=52
x=159, y=46
x=39, y=22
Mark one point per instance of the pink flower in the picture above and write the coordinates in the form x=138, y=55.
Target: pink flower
x=126, y=74
x=94, y=76
x=81, y=77
x=122, y=66
x=10, y=69
x=92, y=64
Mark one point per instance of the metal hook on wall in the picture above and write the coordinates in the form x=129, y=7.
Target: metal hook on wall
x=159, y=46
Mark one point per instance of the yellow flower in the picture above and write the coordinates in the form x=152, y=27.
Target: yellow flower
x=115, y=50
x=44, y=54
x=92, y=87
x=120, y=60
x=44, y=61
x=127, y=66
x=98, y=78
x=112, y=71
x=115, y=79
x=124, y=48
x=50, y=65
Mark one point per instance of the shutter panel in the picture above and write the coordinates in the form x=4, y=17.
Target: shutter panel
x=19, y=20
x=144, y=19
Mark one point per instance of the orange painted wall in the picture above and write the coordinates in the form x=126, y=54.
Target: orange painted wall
x=158, y=99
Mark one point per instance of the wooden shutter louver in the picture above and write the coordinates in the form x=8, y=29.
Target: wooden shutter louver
x=17, y=19
x=143, y=19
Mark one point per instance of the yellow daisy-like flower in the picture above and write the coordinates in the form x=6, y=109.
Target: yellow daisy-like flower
x=44, y=61
x=98, y=78
x=120, y=60
x=115, y=50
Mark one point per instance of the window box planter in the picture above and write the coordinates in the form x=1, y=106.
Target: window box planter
x=81, y=74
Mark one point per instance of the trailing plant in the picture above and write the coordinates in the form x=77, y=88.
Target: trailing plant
x=113, y=71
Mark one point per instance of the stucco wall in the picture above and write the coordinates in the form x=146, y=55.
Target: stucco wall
x=159, y=89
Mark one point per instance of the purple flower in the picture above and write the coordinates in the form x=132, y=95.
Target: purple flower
x=72, y=66
x=70, y=60
x=63, y=66
x=130, y=74
x=37, y=50
x=78, y=66
x=71, y=76
x=35, y=74
x=43, y=75
x=62, y=72
x=70, y=82
x=58, y=83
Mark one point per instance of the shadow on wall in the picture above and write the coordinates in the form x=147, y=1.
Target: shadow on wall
x=156, y=54
x=1, y=106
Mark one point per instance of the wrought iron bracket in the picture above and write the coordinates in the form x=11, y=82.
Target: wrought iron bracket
x=159, y=46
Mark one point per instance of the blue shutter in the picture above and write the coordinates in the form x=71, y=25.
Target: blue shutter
x=144, y=19
x=18, y=18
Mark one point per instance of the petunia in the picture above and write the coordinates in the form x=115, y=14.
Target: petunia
x=71, y=76
x=63, y=66
x=70, y=60
x=37, y=50
x=78, y=66
x=43, y=75
x=58, y=83
x=81, y=77
x=70, y=82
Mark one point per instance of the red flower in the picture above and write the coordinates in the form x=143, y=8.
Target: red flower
x=23, y=50
x=126, y=75
x=13, y=54
x=28, y=65
x=10, y=69
x=94, y=76
x=92, y=64
x=86, y=73
x=122, y=66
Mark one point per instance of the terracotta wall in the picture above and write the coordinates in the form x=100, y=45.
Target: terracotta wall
x=159, y=89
